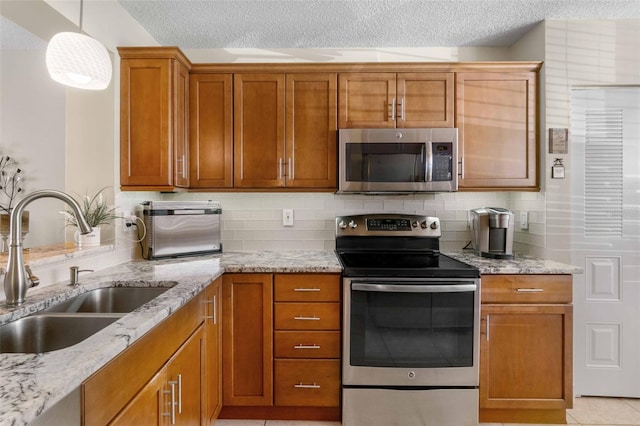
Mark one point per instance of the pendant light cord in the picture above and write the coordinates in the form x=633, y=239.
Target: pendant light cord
x=80, y=25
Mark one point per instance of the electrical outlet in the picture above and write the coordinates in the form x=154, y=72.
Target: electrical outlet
x=287, y=217
x=524, y=220
x=129, y=221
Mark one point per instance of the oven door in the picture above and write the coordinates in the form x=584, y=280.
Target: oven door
x=411, y=332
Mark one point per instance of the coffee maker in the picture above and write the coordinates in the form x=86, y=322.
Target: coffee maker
x=492, y=232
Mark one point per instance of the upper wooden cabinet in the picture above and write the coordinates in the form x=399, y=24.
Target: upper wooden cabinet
x=285, y=130
x=153, y=119
x=274, y=126
x=497, y=137
x=410, y=99
x=211, y=131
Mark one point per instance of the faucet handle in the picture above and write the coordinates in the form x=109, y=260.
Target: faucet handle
x=33, y=280
x=74, y=274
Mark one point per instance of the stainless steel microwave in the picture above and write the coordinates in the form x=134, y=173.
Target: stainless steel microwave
x=378, y=161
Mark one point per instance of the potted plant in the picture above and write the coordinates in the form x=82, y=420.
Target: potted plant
x=97, y=212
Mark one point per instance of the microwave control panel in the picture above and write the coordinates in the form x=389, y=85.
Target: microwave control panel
x=442, y=169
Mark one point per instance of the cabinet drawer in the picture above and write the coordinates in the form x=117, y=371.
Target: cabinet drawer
x=307, y=288
x=526, y=289
x=307, y=344
x=311, y=382
x=307, y=316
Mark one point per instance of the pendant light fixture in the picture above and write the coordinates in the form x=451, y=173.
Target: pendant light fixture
x=77, y=60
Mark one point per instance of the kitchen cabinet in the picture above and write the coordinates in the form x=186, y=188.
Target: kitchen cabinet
x=172, y=397
x=285, y=130
x=247, y=339
x=526, y=348
x=497, y=130
x=138, y=380
x=387, y=99
x=154, y=90
x=281, y=346
x=307, y=340
x=211, y=130
x=212, y=388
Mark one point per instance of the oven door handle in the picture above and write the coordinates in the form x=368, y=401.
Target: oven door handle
x=395, y=288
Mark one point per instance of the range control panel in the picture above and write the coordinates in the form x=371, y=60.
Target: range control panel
x=388, y=225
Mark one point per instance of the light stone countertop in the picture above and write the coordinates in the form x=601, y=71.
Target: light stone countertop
x=519, y=265
x=32, y=383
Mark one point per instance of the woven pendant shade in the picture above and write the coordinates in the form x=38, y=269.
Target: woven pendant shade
x=80, y=61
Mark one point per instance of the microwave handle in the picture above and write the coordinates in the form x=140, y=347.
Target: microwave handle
x=392, y=106
x=429, y=162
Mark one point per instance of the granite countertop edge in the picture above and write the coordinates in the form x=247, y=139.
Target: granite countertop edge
x=32, y=383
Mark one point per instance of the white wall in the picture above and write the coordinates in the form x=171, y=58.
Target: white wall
x=32, y=130
x=579, y=53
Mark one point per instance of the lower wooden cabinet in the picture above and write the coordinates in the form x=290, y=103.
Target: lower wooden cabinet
x=147, y=407
x=526, y=348
x=171, y=375
x=212, y=387
x=281, y=346
x=173, y=396
x=247, y=342
x=314, y=383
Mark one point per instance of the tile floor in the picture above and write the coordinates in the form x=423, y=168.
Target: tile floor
x=588, y=411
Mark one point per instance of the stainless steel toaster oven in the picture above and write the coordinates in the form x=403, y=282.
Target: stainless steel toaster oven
x=181, y=228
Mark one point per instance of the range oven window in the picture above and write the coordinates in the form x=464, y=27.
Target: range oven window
x=386, y=162
x=411, y=329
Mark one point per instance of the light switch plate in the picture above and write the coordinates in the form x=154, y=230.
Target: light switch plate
x=287, y=217
x=524, y=220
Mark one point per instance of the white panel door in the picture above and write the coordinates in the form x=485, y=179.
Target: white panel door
x=605, y=158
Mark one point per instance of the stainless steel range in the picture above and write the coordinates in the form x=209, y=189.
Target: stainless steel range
x=411, y=324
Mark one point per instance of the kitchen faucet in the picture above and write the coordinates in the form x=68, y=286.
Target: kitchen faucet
x=16, y=280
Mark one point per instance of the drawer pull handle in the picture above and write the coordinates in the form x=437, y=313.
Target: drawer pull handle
x=306, y=289
x=530, y=290
x=303, y=386
x=301, y=318
x=307, y=346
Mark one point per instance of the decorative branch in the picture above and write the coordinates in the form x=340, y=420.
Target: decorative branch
x=10, y=182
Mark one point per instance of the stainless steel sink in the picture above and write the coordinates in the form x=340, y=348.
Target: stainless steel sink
x=109, y=300
x=73, y=320
x=44, y=333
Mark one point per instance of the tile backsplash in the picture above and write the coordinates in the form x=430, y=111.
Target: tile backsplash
x=253, y=221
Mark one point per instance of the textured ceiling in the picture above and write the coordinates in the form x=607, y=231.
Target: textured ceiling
x=193, y=24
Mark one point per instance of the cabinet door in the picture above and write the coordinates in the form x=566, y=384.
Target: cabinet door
x=180, y=124
x=184, y=372
x=311, y=130
x=367, y=100
x=146, y=149
x=526, y=357
x=210, y=130
x=247, y=335
x=425, y=100
x=259, y=157
x=212, y=389
x=496, y=121
x=149, y=407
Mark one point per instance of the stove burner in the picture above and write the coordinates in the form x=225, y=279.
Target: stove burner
x=367, y=250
